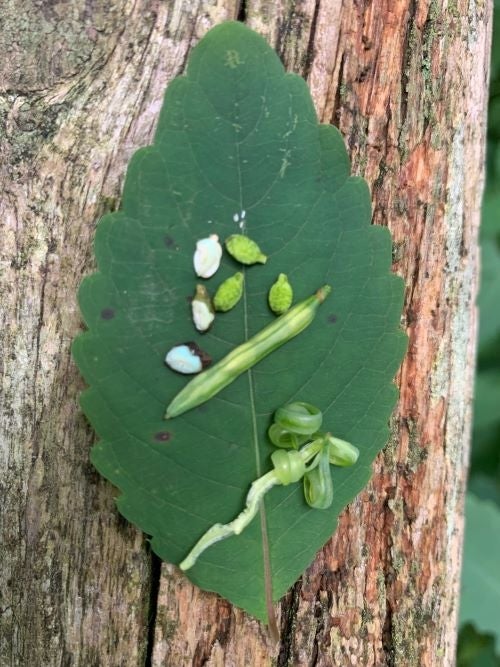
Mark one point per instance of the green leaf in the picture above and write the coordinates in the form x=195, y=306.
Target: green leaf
x=237, y=134
x=495, y=43
x=475, y=649
x=490, y=215
x=485, y=486
x=487, y=399
x=480, y=596
x=489, y=325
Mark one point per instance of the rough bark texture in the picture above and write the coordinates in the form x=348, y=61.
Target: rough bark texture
x=82, y=83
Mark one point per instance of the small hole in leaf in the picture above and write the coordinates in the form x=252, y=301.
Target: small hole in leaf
x=163, y=436
x=107, y=313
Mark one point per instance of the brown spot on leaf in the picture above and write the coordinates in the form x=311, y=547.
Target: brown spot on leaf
x=163, y=436
x=107, y=313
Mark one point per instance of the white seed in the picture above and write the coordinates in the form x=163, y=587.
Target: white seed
x=202, y=316
x=182, y=359
x=207, y=256
x=202, y=309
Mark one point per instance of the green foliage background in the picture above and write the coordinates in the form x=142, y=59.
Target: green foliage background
x=479, y=639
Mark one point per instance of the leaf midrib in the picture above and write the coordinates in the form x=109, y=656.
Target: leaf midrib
x=268, y=587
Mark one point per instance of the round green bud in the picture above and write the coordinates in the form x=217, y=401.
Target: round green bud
x=244, y=250
x=280, y=295
x=229, y=293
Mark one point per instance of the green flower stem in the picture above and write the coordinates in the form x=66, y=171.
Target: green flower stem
x=220, y=531
x=257, y=491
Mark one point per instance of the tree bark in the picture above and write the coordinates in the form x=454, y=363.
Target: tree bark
x=82, y=84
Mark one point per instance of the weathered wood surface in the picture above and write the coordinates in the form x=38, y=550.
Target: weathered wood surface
x=82, y=83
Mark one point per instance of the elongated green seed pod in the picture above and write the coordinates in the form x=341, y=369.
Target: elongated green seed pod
x=209, y=383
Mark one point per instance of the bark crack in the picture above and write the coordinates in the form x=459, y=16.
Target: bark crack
x=337, y=106
x=319, y=614
x=39, y=325
x=242, y=12
x=309, y=55
x=407, y=52
x=154, y=592
x=189, y=40
x=289, y=611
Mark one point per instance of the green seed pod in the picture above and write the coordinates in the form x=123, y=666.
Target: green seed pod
x=244, y=250
x=229, y=293
x=280, y=295
x=202, y=309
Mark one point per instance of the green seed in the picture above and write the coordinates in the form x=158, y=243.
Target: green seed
x=244, y=250
x=229, y=293
x=280, y=295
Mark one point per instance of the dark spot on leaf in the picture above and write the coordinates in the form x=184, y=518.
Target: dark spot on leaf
x=169, y=241
x=163, y=436
x=189, y=299
x=107, y=313
x=332, y=318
